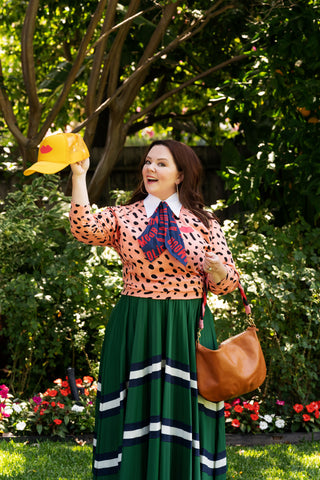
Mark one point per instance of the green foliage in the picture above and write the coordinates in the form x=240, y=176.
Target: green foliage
x=56, y=293
x=275, y=104
x=281, y=275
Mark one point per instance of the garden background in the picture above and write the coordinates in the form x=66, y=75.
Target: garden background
x=242, y=77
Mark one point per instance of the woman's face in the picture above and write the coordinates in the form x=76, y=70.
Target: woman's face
x=160, y=174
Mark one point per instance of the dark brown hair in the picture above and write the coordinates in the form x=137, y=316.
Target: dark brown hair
x=189, y=164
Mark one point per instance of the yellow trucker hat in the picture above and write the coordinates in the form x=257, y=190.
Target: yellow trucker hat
x=57, y=151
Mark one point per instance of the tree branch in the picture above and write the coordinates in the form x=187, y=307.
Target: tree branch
x=133, y=128
x=73, y=72
x=189, y=82
x=99, y=46
x=28, y=68
x=6, y=108
x=188, y=33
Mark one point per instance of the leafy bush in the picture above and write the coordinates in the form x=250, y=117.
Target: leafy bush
x=281, y=275
x=56, y=294
x=275, y=106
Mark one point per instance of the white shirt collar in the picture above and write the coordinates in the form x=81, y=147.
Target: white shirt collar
x=151, y=203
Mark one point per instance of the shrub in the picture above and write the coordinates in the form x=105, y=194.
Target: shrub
x=56, y=294
x=280, y=272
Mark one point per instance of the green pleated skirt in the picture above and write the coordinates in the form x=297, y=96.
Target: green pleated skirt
x=151, y=424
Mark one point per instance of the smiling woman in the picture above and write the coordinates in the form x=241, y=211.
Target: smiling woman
x=150, y=418
x=160, y=174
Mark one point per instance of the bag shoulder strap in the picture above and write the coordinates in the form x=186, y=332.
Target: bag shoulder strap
x=246, y=305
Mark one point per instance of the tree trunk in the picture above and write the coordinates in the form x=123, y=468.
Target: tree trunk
x=116, y=138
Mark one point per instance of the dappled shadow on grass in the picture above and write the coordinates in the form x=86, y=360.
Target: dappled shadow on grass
x=45, y=461
x=275, y=462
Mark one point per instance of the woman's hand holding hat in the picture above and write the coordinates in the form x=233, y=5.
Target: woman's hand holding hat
x=80, y=168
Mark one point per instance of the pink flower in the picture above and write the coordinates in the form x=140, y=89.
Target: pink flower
x=4, y=391
x=236, y=402
x=37, y=400
x=280, y=402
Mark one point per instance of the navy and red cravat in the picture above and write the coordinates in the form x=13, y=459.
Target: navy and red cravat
x=162, y=233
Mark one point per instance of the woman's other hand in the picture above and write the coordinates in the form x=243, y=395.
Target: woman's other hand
x=214, y=267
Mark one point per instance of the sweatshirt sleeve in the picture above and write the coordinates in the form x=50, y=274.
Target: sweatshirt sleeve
x=93, y=228
x=219, y=246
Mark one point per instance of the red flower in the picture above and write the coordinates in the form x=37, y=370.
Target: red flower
x=254, y=417
x=306, y=418
x=238, y=409
x=298, y=407
x=316, y=414
x=65, y=384
x=235, y=423
x=53, y=404
x=51, y=392
x=42, y=411
x=311, y=407
x=57, y=421
x=60, y=405
x=88, y=379
x=227, y=406
x=227, y=414
x=65, y=393
x=256, y=407
x=79, y=382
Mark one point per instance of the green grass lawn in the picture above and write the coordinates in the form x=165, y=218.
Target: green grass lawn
x=69, y=461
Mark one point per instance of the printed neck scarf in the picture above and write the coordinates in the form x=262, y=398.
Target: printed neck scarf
x=162, y=233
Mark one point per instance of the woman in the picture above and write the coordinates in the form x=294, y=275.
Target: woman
x=151, y=424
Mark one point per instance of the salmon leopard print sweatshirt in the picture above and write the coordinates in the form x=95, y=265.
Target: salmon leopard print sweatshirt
x=119, y=227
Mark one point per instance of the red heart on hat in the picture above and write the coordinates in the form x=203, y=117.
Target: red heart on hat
x=45, y=149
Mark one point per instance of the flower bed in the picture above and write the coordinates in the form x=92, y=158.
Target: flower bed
x=259, y=417
x=54, y=412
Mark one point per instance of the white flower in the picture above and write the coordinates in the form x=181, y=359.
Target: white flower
x=8, y=410
x=263, y=425
x=17, y=408
x=267, y=418
x=77, y=408
x=21, y=425
x=279, y=423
